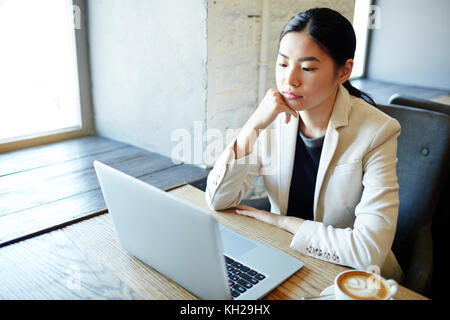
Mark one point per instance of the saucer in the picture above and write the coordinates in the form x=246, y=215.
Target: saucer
x=328, y=292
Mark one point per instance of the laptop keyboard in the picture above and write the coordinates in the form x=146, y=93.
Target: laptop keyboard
x=240, y=277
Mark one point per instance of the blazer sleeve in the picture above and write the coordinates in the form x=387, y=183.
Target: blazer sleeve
x=230, y=179
x=369, y=241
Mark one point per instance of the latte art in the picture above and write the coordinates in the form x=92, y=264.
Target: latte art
x=361, y=285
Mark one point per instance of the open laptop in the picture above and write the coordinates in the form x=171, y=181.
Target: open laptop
x=186, y=244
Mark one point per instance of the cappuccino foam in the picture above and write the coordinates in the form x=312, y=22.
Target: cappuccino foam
x=362, y=285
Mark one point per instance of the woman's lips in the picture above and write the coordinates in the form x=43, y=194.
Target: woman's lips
x=291, y=96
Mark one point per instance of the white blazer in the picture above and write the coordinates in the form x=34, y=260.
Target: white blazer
x=356, y=193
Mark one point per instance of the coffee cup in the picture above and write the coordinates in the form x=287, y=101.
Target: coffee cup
x=362, y=285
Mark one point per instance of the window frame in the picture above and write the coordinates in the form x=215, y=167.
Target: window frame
x=84, y=84
x=367, y=42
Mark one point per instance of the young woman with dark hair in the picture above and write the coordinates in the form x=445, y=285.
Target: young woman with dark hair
x=330, y=165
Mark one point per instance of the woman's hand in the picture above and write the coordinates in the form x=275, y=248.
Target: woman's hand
x=268, y=110
x=264, y=216
x=288, y=223
x=270, y=107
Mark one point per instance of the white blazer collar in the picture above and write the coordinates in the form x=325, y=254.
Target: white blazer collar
x=339, y=116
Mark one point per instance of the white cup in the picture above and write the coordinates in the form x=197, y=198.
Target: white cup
x=362, y=285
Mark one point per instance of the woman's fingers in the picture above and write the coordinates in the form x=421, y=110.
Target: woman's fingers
x=288, y=118
x=285, y=108
x=270, y=107
x=248, y=213
x=244, y=212
x=244, y=207
x=247, y=210
x=264, y=216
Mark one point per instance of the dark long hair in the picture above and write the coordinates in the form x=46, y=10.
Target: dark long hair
x=333, y=33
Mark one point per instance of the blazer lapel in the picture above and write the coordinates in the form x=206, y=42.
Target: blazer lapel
x=329, y=147
x=288, y=140
x=339, y=118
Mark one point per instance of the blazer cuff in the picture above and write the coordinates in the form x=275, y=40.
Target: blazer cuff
x=302, y=238
x=305, y=241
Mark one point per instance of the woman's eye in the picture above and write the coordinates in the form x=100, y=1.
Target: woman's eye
x=282, y=65
x=309, y=69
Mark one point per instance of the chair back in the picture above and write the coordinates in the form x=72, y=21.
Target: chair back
x=411, y=101
x=423, y=161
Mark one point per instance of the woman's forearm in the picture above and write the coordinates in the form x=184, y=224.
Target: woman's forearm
x=289, y=223
x=245, y=142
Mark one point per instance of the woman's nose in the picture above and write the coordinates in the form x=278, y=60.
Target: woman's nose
x=293, y=78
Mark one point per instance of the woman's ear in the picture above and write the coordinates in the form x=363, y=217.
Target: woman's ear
x=345, y=71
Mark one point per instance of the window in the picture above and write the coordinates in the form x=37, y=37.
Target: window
x=39, y=79
x=362, y=21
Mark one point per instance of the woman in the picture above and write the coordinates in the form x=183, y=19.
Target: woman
x=330, y=161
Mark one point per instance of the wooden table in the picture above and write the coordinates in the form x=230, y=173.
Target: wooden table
x=85, y=261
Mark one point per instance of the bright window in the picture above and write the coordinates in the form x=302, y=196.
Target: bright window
x=361, y=26
x=39, y=90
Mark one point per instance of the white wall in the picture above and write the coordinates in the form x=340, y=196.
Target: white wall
x=233, y=48
x=148, y=68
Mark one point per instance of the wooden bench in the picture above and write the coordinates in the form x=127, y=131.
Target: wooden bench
x=47, y=187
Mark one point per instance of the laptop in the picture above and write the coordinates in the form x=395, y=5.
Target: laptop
x=186, y=243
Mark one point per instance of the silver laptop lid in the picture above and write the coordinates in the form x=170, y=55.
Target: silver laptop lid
x=174, y=237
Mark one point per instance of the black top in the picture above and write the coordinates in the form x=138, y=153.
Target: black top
x=303, y=182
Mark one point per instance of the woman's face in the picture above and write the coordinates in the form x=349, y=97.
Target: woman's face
x=305, y=73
